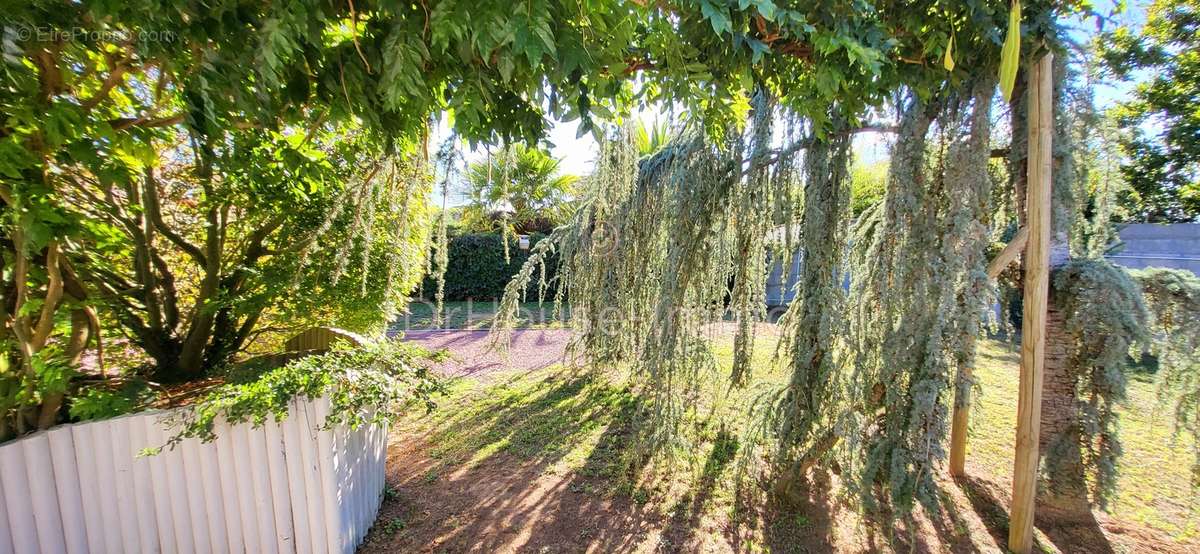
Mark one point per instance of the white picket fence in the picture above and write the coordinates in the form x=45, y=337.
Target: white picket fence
x=284, y=487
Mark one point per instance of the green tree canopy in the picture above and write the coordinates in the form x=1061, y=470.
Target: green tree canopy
x=162, y=160
x=1163, y=117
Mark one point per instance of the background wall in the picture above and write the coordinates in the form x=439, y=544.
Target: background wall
x=1175, y=246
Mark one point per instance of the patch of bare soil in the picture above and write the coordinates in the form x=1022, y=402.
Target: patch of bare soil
x=503, y=504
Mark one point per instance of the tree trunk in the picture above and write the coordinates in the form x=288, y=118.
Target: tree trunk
x=195, y=342
x=1065, y=483
x=77, y=341
x=1018, y=151
x=229, y=336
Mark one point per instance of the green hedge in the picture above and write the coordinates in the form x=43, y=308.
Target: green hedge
x=477, y=270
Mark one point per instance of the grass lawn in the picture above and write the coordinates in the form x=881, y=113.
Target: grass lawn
x=1154, y=474
x=545, y=461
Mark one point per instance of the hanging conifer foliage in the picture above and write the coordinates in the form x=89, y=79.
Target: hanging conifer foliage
x=919, y=287
x=648, y=261
x=1105, y=322
x=1172, y=297
x=813, y=325
x=449, y=159
x=753, y=200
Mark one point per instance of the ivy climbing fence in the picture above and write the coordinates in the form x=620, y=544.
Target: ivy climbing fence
x=289, y=486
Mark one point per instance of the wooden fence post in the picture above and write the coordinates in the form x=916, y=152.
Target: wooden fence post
x=1037, y=286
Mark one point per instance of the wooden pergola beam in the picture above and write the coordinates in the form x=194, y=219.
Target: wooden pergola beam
x=1036, y=295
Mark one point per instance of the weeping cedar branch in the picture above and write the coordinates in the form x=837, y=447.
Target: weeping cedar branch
x=696, y=215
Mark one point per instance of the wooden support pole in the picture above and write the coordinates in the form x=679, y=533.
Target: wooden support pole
x=1040, y=118
x=958, y=424
x=962, y=396
x=1009, y=255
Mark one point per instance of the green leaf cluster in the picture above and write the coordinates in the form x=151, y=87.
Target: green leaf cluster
x=519, y=186
x=477, y=268
x=367, y=385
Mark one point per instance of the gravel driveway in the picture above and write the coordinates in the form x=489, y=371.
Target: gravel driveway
x=472, y=354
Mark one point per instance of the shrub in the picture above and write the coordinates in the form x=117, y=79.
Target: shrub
x=102, y=402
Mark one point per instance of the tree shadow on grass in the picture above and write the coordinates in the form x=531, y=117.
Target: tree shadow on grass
x=950, y=525
x=941, y=528
x=986, y=504
x=804, y=525
x=1073, y=532
x=687, y=514
x=549, y=462
x=483, y=478
x=818, y=520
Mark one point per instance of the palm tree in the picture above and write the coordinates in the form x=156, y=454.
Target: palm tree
x=651, y=136
x=521, y=183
